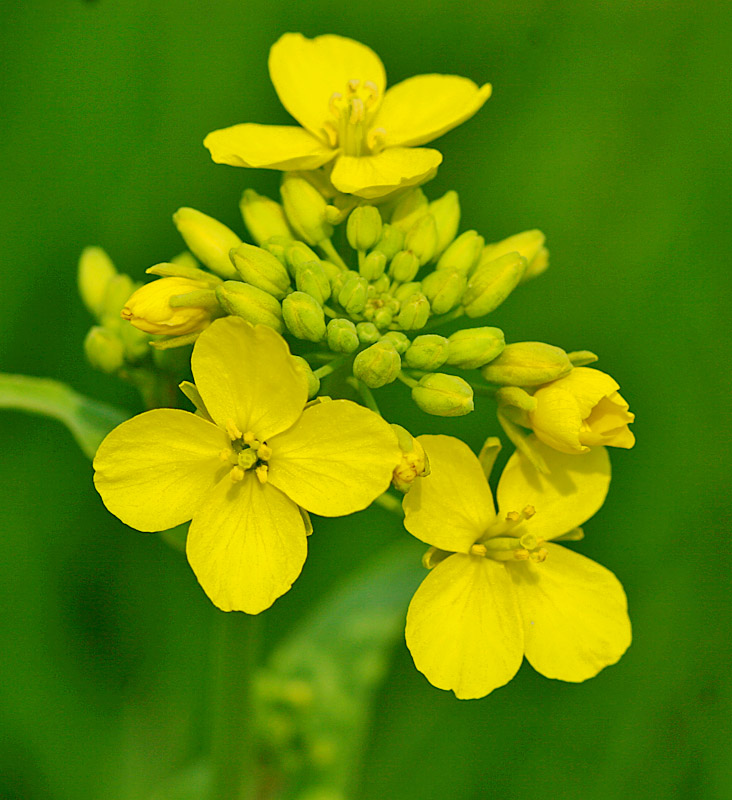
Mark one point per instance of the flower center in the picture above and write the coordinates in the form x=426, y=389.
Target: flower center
x=246, y=453
x=507, y=540
x=352, y=112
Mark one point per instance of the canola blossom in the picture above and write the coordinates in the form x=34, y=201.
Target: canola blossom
x=245, y=465
x=500, y=588
x=369, y=137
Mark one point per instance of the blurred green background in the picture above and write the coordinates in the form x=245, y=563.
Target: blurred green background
x=608, y=129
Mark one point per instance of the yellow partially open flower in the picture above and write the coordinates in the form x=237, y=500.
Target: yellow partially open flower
x=245, y=466
x=582, y=410
x=335, y=88
x=149, y=307
x=499, y=588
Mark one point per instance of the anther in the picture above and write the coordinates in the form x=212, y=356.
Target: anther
x=522, y=555
x=358, y=111
x=513, y=516
x=236, y=474
x=529, y=512
x=478, y=550
x=261, y=473
x=353, y=85
x=232, y=430
x=539, y=555
x=225, y=455
x=333, y=103
x=249, y=438
x=264, y=452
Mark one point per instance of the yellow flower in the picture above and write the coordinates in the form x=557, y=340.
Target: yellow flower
x=500, y=588
x=582, y=410
x=335, y=88
x=244, y=467
x=149, y=307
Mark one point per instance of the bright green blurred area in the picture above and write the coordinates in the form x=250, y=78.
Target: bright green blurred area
x=608, y=129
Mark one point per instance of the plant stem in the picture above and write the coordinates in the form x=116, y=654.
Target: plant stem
x=327, y=369
x=366, y=394
x=390, y=503
x=327, y=247
x=456, y=313
x=404, y=378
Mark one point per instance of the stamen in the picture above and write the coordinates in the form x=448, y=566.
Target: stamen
x=358, y=111
x=478, y=550
x=376, y=138
x=232, y=430
x=249, y=438
x=513, y=516
x=261, y=473
x=236, y=474
x=264, y=451
x=333, y=103
x=529, y=512
x=353, y=85
x=538, y=556
x=225, y=455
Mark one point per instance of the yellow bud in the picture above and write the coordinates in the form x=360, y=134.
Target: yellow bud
x=263, y=217
x=95, y=272
x=492, y=283
x=391, y=241
x=538, y=264
x=473, y=347
x=118, y=291
x=368, y=333
x=250, y=303
x=409, y=209
x=446, y=211
x=149, y=308
x=526, y=244
x=414, y=462
x=414, y=312
x=398, y=339
x=427, y=352
x=260, y=268
x=372, y=267
x=407, y=290
x=103, y=349
x=377, y=365
x=304, y=316
x=404, y=266
x=364, y=227
x=527, y=364
x=305, y=209
x=208, y=239
x=443, y=395
x=463, y=253
x=342, y=336
x=421, y=239
x=444, y=289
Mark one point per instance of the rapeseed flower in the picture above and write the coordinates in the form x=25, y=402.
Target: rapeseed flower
x=245, y=466
x=149, y=309
x=335, y=88
x=499, y=587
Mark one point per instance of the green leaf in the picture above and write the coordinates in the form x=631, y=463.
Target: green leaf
x=88, y=420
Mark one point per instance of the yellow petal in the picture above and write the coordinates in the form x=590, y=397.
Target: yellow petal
x=375, y=176
x=153, y=470
x=268, y=146
x=424, y=107
x=307, y=72
x=608, y=423
x=246, y=376
x=463, y=626
x=336, y=459
x=452, y=506
x=572, y=491
x=246, y=544
x=574, y=612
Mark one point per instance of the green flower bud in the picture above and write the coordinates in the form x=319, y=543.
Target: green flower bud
x=377, y=365
x=463, y=254
x=104, y=350
x=414, y=313
x=304, y=316
x=404, y=266
x=184, y=269
x=250, y=303
x=421, y=239
x=118, y=292
x=96, y=270
x=261, y=269
x=526, y=244
x=391, y=241
x=444, y=289
x=473, y=347
x=209, y=240
x=341, y=336
x=446, y=211
x=354, y=294
x=492, y=283
x=339, y=281
x=313, y=380
x=331, y=271
x=305, y=209
x=263, y=217
x=278, y=246
x=372, y=267
x=381, y=284
x=443, y=395
x=383, y=317
x=409, y=209
x=537, y=265
x=311, y=278
x=364, y=227
x=136, y=343
x=406, y=290
x=528, y=364
x=398, y=339
x=367, y=332
x=427, y=352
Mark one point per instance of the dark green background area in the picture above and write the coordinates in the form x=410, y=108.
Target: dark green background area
x=609, y=130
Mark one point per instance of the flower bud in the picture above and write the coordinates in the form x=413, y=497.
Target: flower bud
x=103, y=349
x=463, y=254
x=263, y=217
x=446, y=211
x=250, y=303
x=383, y=317
x=184, y=268
x=372, y=267
x=492, y=283
x=421, y=239
x=414, y=312
x=537, y=265
x=391, y=241
x=313, y=380
x=444, y=289
x=409, y=209
x=443, y=395
x=136, y=343
x=278, y=246
x=527, y=364
x=414, y=461
x=311, y=278
x=149, y=309
x=364, y=227
x=526, y=244
x=368, y=333
x=118, y=292
x=381, y=284
x=406, y=290
x=304, y=316
x=404, y=266
x=341, y=336
x=354, y=294
x=398, y=339
x=377, y=365
x=473, y=347
x=261, y=269
x=427, y=352
x=208, y=239
x=305, y=209
x=96, y=270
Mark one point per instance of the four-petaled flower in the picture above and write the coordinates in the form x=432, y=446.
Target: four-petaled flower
x=499, y=587
x=245, y=465
x=334, y=87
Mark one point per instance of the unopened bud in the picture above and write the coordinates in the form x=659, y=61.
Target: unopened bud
x=373, y=265
x=492, y=283
x=427, y=352
x=263, y=217
x=409, y=209
x=421, y=239
x=406, y=290
x=444, y=289
x=446, y=211
x=391, y=241
x=377, y=365
x=383, y=318
x=151, y=308
x=463, y=254
x=261, y=269
x=298, y=253
x=312, y=378
x=136, y=343
x=414, y=312
x=354, y=294
x=103, y=349
x=184, y=268
x=398, y=339
x=209, y=240
x=443, y=395
x=364, y=227
x=368, y=333
x=527, y=364
x=381, y=284
x=118, y=292
x=304, y=316
x=473, y=347
x=278, y=246
x=96, y=270
x=311, y=278
x=342, y=336
x=537, y=265
x=404, y=266
x=526, y=244
x=414, y=463
x=305, y=209
x=250, y=303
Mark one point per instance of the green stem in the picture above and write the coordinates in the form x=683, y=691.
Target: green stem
x=327, y=369
x=390, y=503
x=483, y=391
x=456, y=313
x=366, y=394
x=406, y=379
x=327, y=247
x=233, y=744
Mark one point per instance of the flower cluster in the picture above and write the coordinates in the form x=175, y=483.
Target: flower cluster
x=347, y=279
